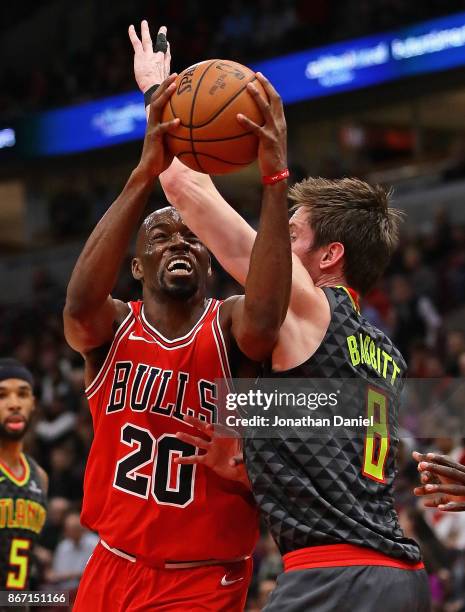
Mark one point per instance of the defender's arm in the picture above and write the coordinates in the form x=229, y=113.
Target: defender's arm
x=223, y=231
x=258, y=315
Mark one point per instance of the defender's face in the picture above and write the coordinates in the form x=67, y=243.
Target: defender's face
x=16, y=406
x=171, y=259
x=301, y=233
x=302, y=238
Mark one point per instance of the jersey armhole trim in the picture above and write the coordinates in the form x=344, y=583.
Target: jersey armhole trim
x=221, y=347
x=124, y=327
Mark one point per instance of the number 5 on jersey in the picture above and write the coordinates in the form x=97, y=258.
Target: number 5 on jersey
x=19, y=564
x=169, y=484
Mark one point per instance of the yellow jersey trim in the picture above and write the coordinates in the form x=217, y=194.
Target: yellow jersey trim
x=20, y=482
x=353, y=302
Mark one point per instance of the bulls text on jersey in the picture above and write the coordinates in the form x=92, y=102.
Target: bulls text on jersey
x=150, y=387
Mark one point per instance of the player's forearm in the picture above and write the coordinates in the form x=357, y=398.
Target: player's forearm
x=225, y=233
x=268, y=284
x=96, y=271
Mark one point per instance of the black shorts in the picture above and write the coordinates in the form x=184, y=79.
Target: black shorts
x=364, y=588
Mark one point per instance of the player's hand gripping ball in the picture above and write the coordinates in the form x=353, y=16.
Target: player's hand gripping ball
x=207, y=99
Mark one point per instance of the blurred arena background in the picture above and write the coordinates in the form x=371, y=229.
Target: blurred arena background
x=389, y=108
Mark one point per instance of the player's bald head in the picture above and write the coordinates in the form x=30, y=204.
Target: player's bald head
x=163, y=237
x=166, y=214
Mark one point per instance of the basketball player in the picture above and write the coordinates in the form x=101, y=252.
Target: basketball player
x=23, y=484
x=327, y=502
x=442, y=482
x=172, y=537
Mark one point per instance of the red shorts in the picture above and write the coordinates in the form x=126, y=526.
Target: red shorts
x=111, y=582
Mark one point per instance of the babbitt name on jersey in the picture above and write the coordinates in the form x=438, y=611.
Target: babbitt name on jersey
x=151, y=386
x=364, y=350
x=21, y=513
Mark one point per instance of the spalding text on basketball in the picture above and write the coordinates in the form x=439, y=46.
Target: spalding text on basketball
x=185, y=84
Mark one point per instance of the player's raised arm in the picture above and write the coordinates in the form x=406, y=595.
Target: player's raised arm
x=223, y=231
x=258, y=315
x=90, y=312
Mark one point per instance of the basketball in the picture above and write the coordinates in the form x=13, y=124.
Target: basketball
x=207, y=99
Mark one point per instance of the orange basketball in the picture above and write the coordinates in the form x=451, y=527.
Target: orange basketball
x=207, y=98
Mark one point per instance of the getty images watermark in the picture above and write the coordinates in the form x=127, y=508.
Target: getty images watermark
x=283, y=406
x=377, y=407
x=265, y=401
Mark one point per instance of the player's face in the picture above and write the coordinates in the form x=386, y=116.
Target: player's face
x=170, y=258
x=16, y=406
x=302, y=238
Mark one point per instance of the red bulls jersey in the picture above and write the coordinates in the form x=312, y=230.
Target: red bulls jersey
x=135, y=497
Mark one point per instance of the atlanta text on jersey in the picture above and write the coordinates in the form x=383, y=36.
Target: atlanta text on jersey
x=21, y=513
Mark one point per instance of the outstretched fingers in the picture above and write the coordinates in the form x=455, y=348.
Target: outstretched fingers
x=436, y=501
x=161, y=44
x=451, y=473
x=203, y=426
x=425, y=459
x=444, y=460
x=193, y=440
x=262, y=104
x=248, y=124
x=136, y=43
x=169, y=126
x=450, y=489
x=168, y=58
x=273, y=95
x=145, y=35
x=192, y=460
x=452, y=507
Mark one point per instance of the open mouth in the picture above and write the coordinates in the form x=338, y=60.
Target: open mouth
x=15, y=423
x=180, y=266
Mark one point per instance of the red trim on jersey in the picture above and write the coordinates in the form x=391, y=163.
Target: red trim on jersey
x=342, y=555
x=122, y=329
x=355, y=297
x=18, y=480
x=221, y=346
x=183, y=340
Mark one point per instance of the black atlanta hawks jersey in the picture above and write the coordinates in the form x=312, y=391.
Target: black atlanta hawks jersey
x=337, y=488
x=22, y=516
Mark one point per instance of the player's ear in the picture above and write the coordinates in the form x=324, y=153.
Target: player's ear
x=210, y=271
x=137, y=269
x=332, y=254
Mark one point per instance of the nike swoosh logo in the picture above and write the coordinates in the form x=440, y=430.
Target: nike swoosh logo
x=225, y=582
x=132, y=336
